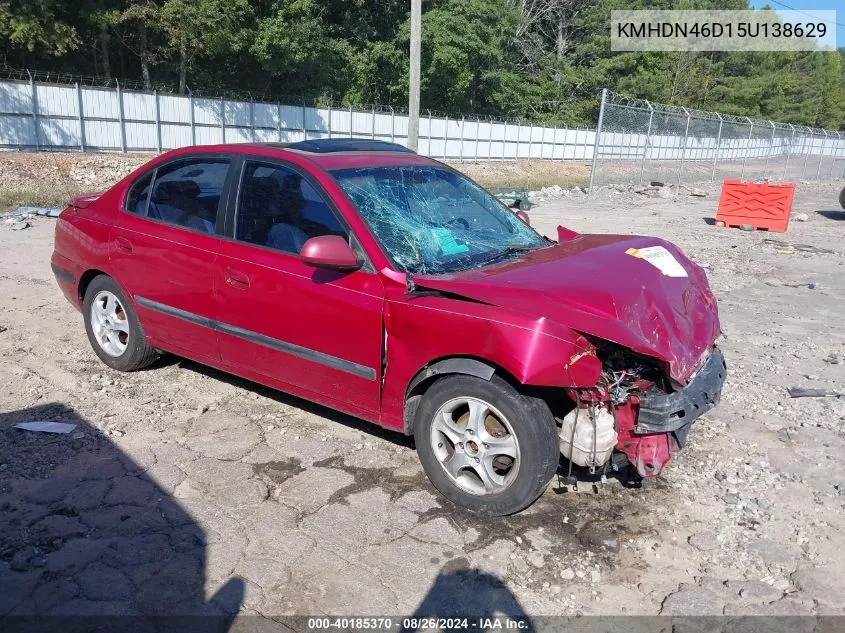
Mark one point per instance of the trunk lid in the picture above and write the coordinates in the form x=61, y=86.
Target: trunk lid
x=608, y=287
x=83, y=201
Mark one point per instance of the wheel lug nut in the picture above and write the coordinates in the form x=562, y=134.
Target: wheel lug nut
x=486, y=446
x=477, y=460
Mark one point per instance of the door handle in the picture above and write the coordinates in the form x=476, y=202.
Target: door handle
x=237, y=279
x=123, y=244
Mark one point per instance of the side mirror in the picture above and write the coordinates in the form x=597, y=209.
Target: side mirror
x=329, y=251
x=522, y=215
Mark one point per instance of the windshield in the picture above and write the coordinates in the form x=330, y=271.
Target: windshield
x=432, y=220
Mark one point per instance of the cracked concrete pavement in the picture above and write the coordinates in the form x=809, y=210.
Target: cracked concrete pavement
x=186, y=490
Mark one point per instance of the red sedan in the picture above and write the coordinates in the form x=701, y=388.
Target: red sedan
x=387, y=285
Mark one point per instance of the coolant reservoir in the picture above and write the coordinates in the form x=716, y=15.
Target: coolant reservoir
x=594, y=438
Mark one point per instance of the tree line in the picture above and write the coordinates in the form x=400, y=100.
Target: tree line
x=540, y=60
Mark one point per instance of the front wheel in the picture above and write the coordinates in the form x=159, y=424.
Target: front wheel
x=484, y=445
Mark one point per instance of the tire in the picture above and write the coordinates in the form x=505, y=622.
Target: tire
x=533, y=438
x=119, y=340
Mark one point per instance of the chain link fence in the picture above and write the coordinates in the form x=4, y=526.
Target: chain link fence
x=636, y=142
x=639, y=142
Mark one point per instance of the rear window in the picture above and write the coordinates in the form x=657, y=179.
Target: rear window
x=184, y=193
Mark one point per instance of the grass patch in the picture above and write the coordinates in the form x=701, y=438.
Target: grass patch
x=13, y=198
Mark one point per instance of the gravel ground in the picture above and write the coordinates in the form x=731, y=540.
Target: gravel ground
x=185, y=490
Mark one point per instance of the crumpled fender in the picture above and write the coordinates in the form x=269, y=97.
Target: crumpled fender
x=421, y=330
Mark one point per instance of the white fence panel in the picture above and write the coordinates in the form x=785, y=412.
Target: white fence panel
x=316, y=121
x=138, y=106
x=174, y=109
x=207, y=111
x=15, y=98
x=114, y=119
x=17, y=131
x=97, y=103
x=57, y=101
x=102, y=134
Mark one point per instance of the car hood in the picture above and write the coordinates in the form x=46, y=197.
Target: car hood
x=605, y=286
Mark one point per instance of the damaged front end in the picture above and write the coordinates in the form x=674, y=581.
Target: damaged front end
x=636, y=415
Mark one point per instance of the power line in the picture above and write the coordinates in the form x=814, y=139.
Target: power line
x=815, y=17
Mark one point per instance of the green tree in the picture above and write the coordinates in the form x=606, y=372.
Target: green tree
x=142, y=16
x=469, y=57
x=545, y=60
x=37, y=26
x=296, y=46
x=197, y=28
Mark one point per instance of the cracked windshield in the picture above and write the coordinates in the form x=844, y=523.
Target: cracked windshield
x=432, y=220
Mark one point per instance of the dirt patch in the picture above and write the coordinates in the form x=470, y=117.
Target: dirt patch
x=50, y=179
x=526, y=174
x=746, y=520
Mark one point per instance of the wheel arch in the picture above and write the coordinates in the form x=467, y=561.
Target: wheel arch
x=85, y=280
x=438, y=368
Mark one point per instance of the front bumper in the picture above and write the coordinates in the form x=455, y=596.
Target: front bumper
x=677, y=411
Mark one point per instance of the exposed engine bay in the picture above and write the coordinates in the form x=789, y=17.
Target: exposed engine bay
x=636, y=416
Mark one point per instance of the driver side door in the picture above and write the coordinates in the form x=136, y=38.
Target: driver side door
x=314, y=332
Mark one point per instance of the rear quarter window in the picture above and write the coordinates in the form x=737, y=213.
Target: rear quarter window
x=139, y=193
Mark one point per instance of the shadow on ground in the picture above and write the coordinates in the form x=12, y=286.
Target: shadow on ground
x=87, y=533
x=281, y=397
x=89, y=540
x=470, y=593
x=832, y=214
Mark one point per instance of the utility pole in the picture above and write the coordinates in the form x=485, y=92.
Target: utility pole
x=414, y=76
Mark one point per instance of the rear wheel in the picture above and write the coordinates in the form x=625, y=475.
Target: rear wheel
x=484, y=445
x=113, y=328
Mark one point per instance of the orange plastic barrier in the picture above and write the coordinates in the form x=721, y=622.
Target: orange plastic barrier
x=759, y=204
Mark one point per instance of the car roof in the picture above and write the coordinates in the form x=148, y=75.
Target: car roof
x=327, y=154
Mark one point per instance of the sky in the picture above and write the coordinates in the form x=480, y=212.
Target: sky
x=809, y=5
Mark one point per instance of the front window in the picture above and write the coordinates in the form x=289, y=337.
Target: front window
x=280, y=209
x=432, y=220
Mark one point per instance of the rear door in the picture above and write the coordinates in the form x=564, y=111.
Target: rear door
x=318, y=331
x=163, y=250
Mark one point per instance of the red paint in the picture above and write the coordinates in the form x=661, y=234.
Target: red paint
x=330, y=312
x=590, y=285
x=329, y=251
x=84, y=201
x=648, y=453
x=564, y=234
x=171, y=266
x=531, y=317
